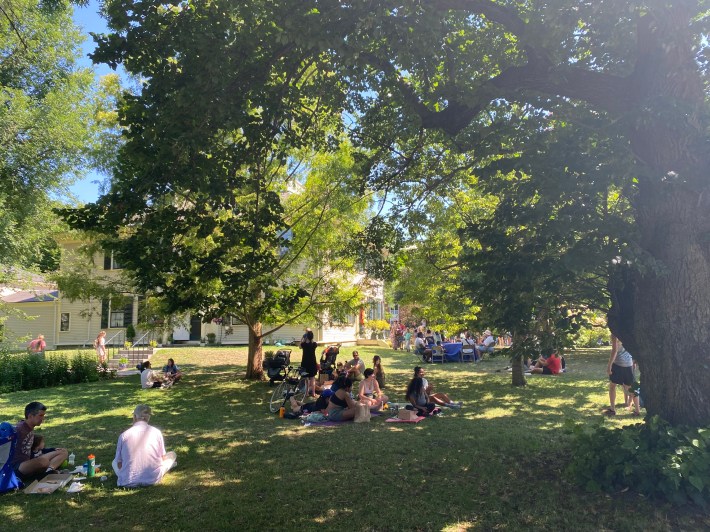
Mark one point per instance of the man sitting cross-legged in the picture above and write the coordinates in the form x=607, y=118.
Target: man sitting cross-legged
x=22, y=462
x=141, y=459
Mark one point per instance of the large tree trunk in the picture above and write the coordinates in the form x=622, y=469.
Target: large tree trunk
x=663, y=315
x=516, y=361
x=255, y=370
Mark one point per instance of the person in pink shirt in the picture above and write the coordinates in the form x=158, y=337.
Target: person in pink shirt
x=37, y=346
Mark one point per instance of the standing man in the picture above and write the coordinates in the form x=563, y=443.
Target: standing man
x=620, y=370
x=22, y=462
x=141, y=459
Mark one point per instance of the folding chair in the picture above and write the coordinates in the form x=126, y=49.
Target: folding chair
x=437, y=354
x=468, y=352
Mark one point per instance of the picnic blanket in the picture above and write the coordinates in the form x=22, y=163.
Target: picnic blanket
x=329, y=423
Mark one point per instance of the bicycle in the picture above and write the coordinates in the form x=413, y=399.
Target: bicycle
x=294, y=384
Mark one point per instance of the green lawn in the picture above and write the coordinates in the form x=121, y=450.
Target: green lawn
x=496, y=464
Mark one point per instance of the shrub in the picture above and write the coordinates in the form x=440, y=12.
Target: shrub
x=130, y=332
x=654, y=458
x=27, y=372
x=211, y=338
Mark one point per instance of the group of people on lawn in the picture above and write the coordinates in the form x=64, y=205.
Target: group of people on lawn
x=427, y=343
x=339, y=402
x=140, y=460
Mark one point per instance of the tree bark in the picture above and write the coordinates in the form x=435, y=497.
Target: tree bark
x=255, y=371
x=518, y=378
x=662, y=315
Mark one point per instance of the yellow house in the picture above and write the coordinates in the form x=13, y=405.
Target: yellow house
x=66, y=323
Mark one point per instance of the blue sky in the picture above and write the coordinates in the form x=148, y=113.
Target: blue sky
x=88, y=19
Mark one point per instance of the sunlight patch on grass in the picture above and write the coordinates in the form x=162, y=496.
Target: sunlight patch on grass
x=459, y=527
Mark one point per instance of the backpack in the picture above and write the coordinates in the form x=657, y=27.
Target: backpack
x=8, y=440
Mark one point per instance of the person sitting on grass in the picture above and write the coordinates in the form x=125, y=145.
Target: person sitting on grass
x=172, y=371
x=355, y=367
x=141, y=459
x=438, y=398
x=341, y=406
x=318, y=405
x=548, y=364
x=25, y=465
x=149, y=378
x=418, y=398
x=369, y=392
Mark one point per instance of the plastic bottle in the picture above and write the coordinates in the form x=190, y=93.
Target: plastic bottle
x=91, y=469
x=282, y=412
x=71, y=458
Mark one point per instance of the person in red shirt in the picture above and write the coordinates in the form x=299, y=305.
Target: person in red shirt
x=549, y=365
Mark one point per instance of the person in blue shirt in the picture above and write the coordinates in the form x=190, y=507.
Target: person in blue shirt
x=172, y=371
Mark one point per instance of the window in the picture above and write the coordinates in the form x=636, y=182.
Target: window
x=117, y=314
x=110, y=263
x=64, y=322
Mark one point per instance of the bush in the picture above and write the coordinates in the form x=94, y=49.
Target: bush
x=27, y=371
x=654, y=458
x=211, y=338
x=130, y=332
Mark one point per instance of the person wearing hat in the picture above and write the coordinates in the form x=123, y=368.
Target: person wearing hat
x=488, y=343
x=141, y=459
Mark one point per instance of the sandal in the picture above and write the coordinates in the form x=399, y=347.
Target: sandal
x=609, y=412
x=636, y=414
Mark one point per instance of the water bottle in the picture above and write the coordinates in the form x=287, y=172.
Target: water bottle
x=71, y=458
x=282, y=412
x=91, y=469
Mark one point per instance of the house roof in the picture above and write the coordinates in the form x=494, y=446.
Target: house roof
x=31, y=296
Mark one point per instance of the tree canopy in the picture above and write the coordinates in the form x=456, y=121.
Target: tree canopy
x=47, y=127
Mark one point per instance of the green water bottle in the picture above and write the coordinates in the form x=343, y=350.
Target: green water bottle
x=91, y=469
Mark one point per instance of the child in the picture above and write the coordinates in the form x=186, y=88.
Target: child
x=38, y=447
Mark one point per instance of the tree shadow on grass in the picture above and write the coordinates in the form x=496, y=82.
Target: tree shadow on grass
x=495, y=464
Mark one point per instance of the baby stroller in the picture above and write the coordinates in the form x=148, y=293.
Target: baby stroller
x=327, y=360
x=276, y=367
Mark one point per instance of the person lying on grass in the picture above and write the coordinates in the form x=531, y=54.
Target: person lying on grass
x=318, y=405
x=438, y=398
x=342, y=407
x=548, y=364
x=369, y=392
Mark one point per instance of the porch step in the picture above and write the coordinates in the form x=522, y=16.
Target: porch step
x=135, y=356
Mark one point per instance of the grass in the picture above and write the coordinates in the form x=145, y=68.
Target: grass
x=496, y=464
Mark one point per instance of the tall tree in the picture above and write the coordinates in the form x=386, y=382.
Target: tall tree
x=195, y=210
x=46, y=126
x=640, y=65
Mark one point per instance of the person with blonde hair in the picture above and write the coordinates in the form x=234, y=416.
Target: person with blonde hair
x=100, y=345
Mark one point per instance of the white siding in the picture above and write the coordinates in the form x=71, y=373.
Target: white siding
x=40, y=320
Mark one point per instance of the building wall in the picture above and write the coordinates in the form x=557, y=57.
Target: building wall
x=40, y=319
